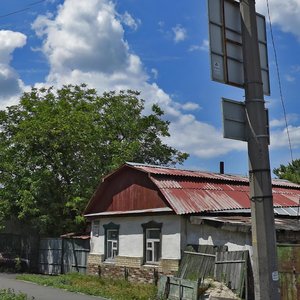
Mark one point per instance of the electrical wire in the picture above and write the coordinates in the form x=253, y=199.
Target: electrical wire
x=21, y=10
x=279, y=80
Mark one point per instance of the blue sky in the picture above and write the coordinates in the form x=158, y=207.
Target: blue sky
x=159, y=48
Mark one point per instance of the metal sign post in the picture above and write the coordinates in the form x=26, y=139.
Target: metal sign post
x=238, y=51
x=266, y=278
x=225, y=40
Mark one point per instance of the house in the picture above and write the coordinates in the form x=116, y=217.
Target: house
x=143, y=217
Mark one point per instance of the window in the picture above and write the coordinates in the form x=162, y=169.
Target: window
x=111, y=241
x=96, y=228
x=152, y=242
x=153, y=245
x=112, y=244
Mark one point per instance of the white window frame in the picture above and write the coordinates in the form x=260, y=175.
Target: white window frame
x=96, y=228
x=152, y=247
x=113, y=243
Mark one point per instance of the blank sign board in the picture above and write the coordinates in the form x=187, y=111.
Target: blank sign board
x=235, y=120
x=226, y=44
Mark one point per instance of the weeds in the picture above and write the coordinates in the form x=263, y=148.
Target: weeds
x=9, y=294
x=91, y=285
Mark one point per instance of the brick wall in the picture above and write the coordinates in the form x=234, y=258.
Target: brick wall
x=130, y=268
x=131, y=262
x=169, y=265
x=93, y=262
x=142, y=274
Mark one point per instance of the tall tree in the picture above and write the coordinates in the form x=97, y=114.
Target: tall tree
x=289, y=172
x=56, y=145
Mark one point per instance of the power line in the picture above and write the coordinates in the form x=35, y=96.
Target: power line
x=21, y=10
x=279, y=81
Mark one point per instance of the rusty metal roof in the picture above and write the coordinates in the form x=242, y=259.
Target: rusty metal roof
x=159, y=170
x=290, y=224
x=168, y=171
x=189, y=192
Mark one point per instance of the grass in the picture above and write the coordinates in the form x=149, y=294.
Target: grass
x=92, y=285
x=9, y=294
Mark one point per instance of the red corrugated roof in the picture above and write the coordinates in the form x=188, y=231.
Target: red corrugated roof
x=195, y=192
x=160, y=170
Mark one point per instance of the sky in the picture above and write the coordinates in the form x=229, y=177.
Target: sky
x=159, y=48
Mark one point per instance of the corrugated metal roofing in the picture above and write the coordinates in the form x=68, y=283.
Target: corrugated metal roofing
x=279, y=211
x=280, y=224
x=190, y=192
x=160, y=170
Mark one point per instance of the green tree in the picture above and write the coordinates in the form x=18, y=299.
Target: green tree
x=57, y=144
x=290, y=172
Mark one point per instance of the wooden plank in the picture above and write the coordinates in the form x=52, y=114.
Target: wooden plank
x=201, y=254
x=230, y=262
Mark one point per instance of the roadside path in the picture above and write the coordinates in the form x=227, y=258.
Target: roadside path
x=39, y=292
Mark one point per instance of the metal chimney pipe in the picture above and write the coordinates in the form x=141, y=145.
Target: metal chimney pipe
x=221, y=167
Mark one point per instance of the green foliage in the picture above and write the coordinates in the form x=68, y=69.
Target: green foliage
x=9, y=294
x=109, y=288
x=290, y=172
x=57, y=144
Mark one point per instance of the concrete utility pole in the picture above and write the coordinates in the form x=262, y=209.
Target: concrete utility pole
x=262, y=212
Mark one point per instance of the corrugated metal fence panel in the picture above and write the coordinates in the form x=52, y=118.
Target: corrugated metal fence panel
x=289, y=270
x=75, y=255
x=57, y=256
x=231, y=268
x=50, y=255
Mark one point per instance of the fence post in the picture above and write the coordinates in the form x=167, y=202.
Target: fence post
x=62, y=271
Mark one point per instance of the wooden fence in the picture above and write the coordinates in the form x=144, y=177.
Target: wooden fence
x=175, y=288
x=198, y=261
x=233, y=268
x=61, y=255
x=289, y=270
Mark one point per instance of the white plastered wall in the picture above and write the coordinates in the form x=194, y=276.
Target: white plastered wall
x=177, y=232
x=131, y=235
x=208, y=235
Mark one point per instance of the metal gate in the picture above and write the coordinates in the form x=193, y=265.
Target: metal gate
x=289, y=269
x=61, y=255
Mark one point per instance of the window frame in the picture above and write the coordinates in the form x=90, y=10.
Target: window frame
x=110, y=227
x=147, y=227
x=96, y=228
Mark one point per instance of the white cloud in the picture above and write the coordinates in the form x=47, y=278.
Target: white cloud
x=203, y=47
x=128, y=20
x=190, y=106
x=9, y=41
x=289, y=78
x=84, y=42
x=84, y=36
x=200, y=139
x=154, y=73
x=180, y=33
x=285, y=14
x=291, y=118
x=279, y=138
x=10, y=84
